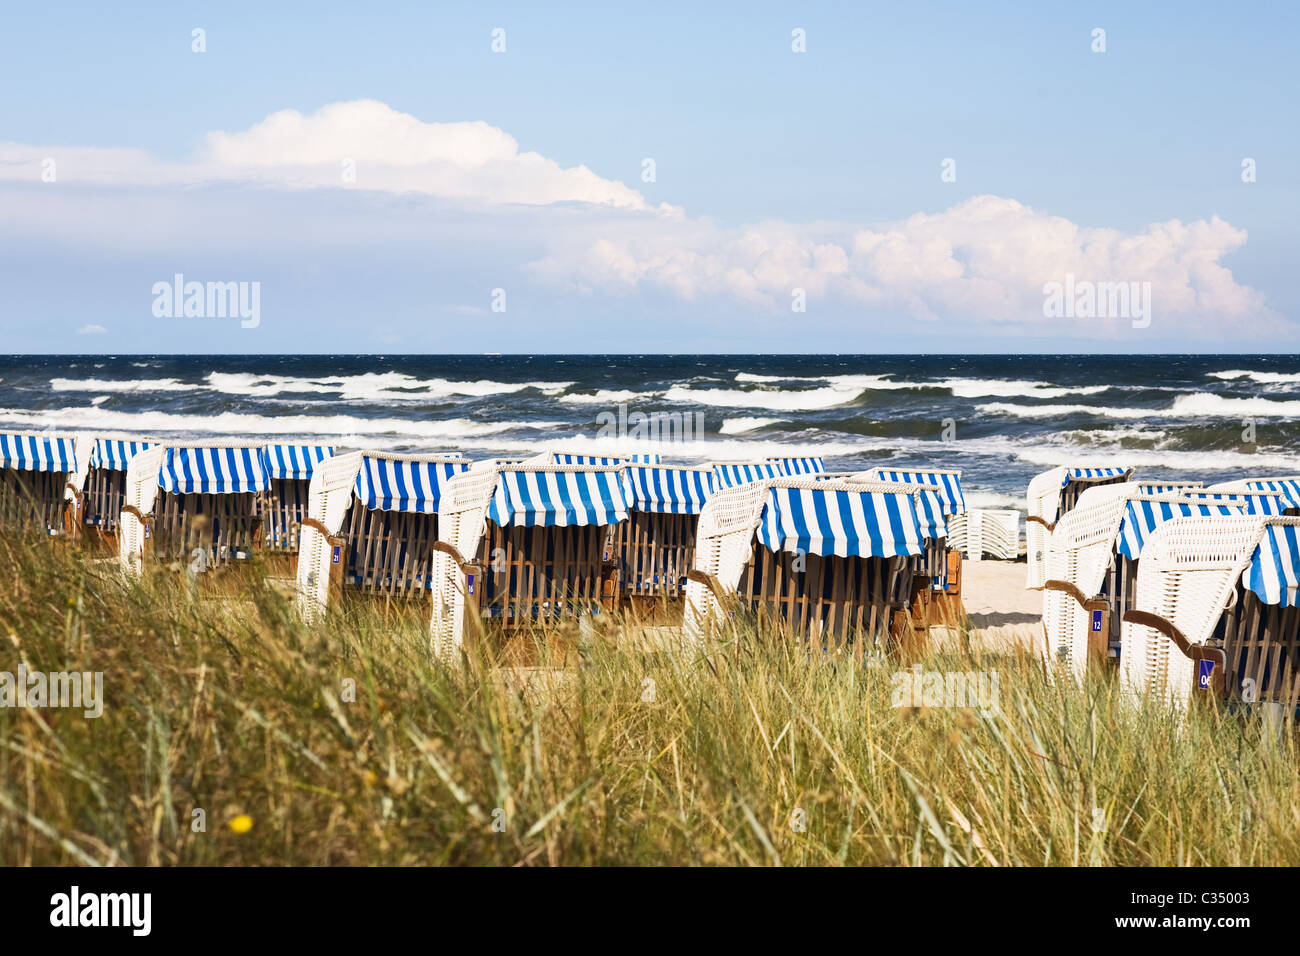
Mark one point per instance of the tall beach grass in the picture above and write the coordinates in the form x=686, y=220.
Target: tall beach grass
x=345, y=743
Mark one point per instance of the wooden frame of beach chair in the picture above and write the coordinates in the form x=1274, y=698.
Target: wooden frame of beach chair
x=35, y=472
x=1092, y=564
x=288, y=493
x=196, y=503
x=525, y=545
x=656, y=545
x=98, y=490
x=835, y=602
x=372, y=526
x=1214, y=616
x=1050, y=497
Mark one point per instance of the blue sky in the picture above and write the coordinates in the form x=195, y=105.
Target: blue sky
x=774, y=171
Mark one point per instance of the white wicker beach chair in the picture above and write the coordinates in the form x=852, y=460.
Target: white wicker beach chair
x=457, y=570
x=1092, y=560
x=525, y=542
x=137, y=506
x=1050, y=496
x=371, y=525
x=170, y=484
x=723, y=546
x=1189, y=576
x=96, y=492
x=750, y=533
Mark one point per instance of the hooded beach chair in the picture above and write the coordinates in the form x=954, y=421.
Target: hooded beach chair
x=35, y=471
x=1092, y=564
x=98, y=490
x=1051, y=496
x=371, y=526
x=289, y=469
x=832, y=561
x=525, y=544
x=657, y=542
x=1216, y=613
x=194, y=502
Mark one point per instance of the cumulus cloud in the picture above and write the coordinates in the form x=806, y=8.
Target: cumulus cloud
x=983, y=261
x=92, y=329
x=363, y=144
x=987, y=258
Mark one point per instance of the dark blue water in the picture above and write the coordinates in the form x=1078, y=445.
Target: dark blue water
x=1001, y=419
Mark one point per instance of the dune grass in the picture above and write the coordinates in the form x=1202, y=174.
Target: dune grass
x=603, y=751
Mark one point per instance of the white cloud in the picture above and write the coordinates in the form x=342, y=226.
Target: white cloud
x=91, y=330
x=984, y=259
x=981, y=262
x=362, y=144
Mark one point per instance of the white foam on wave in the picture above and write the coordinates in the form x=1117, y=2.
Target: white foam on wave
x=102, y=385
x=800, y=400
x=607, y=397
x=981, y=388
x=1196, y=405
x=737, y=426
x=1060, y=411
x=1264, y=378
x=370, y=386
x=959, y=387
x=1222, y=406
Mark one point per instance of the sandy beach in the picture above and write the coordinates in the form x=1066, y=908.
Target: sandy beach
x=1003, y=613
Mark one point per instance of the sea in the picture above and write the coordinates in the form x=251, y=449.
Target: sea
x=1000, y=419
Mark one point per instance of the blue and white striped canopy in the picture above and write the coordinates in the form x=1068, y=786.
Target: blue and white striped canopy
x=38, y=453
x=732, y=474
x=219, y=471
x=534, y=498
x=1274, y=572
x=1251, y=502
x=948, y=482
x=835, y=521
x=1147, y=488
x=1073, y=473
x=648, y=458
x=386, y=484
x=109, y=454
x=671, y=491
x=1289, y=488
x=930, y=513
x=295, y=461
x=800, y=466
x=1141, y=517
